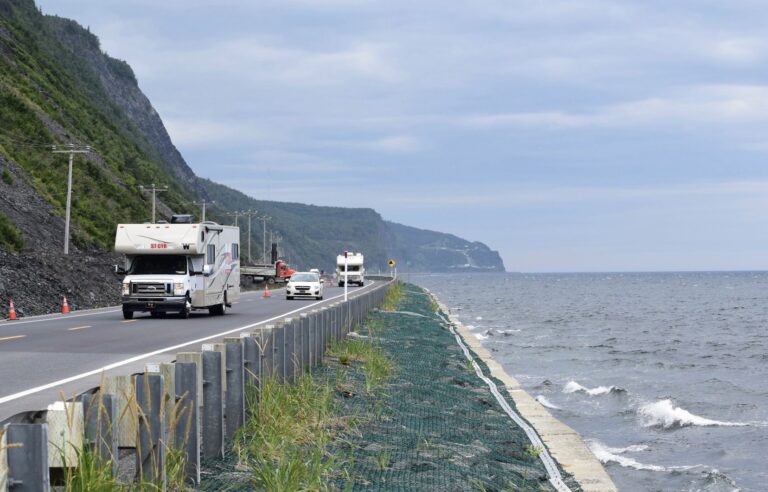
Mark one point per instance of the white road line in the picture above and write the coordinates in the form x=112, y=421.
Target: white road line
x=137, y=358
x=14, y=337
x=79, y=328
x=54, y=317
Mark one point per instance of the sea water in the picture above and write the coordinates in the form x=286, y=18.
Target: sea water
x=665, y=375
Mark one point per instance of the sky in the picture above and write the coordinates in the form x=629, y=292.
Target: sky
x=584, y=135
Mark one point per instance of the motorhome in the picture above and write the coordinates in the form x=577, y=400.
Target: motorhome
x=178, y=267
x=350, y=269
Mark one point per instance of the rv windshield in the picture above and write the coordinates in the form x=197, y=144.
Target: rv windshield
x=159, y=265
x=350, y=268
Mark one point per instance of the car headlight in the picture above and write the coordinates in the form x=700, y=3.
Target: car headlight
x=126, y=288
x=178, y=289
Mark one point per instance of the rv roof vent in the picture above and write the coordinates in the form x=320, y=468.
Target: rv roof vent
x=181, y=219
x=210, y=222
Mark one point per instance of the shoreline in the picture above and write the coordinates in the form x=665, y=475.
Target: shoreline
x=565, y=445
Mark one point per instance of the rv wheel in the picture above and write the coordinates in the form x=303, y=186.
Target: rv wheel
x=127, y=314
x=184, y=313
x=219, y=309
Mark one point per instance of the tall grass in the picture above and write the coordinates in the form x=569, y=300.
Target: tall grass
x=284, y=442
x=393, y=298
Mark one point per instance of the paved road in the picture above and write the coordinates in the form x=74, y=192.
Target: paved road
x=45, y=357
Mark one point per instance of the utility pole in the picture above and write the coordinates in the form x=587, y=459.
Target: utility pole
x=71, y=150
x=236, y=215
x=250, y=214
x=264, y=219
x=203, y=203
x=154, y=190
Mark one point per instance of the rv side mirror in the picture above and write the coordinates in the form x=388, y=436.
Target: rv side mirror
x=207, y=270
x=119, y=270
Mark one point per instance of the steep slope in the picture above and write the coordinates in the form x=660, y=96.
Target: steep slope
x=430, y=251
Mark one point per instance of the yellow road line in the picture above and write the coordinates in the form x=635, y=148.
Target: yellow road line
x=79, y=328
x=14, y=337
x=129, y=321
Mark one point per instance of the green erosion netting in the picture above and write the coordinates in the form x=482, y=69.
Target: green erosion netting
x=434, y=426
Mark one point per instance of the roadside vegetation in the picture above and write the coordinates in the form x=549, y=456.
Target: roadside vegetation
x=394, y=297
x=10, y=236
x=287, y=442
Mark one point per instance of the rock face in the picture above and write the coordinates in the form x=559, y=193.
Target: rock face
x=38, y=277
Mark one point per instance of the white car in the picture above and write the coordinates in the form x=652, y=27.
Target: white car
x=304, y=284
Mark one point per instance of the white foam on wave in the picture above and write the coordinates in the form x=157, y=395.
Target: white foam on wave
x=664, y=414
x=574, y=387
x=634, y=448
x=604, y=454
x=541, y=399
x=470, y=327
x=479, y=318
x=608, y=454
x=481, y=336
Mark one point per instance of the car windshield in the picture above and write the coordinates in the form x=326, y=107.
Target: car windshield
x=159, y=265
x=305, y=277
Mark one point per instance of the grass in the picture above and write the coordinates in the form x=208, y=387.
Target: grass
x=10, y=236
x=286, y=441
x=376, y=366
x=91, y=473
x=394, y=297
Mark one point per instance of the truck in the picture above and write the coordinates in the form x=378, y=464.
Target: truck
x=178, y=267
x=355, y=270
x=277, y=272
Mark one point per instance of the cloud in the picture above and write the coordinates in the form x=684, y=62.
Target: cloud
x=718, y=104
x=508, y=196
x=395, y=144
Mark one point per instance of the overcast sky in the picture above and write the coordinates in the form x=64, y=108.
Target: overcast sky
x=569, y=135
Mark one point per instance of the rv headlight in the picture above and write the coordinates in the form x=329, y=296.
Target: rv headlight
x=178, y=289
x=126, y=289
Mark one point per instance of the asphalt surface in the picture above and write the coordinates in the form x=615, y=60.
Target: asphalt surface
x=45, y=358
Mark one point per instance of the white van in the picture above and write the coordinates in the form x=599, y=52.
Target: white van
x=178, y=267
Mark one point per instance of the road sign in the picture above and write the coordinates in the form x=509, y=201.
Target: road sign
x=391, y=263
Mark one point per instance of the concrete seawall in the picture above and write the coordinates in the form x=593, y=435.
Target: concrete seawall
x=565, y=445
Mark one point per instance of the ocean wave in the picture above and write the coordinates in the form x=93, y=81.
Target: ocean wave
x=574, y=387
x=607, y=455
x=665, y=415
x=479, y=318
x=604, y=454
x=546, y=403
x=481, y=336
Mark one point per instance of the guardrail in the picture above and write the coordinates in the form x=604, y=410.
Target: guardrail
x=189, y=406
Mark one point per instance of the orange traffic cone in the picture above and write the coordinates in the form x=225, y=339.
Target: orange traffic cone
x=266, y=291
x=11, y=311
x=65, y=306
